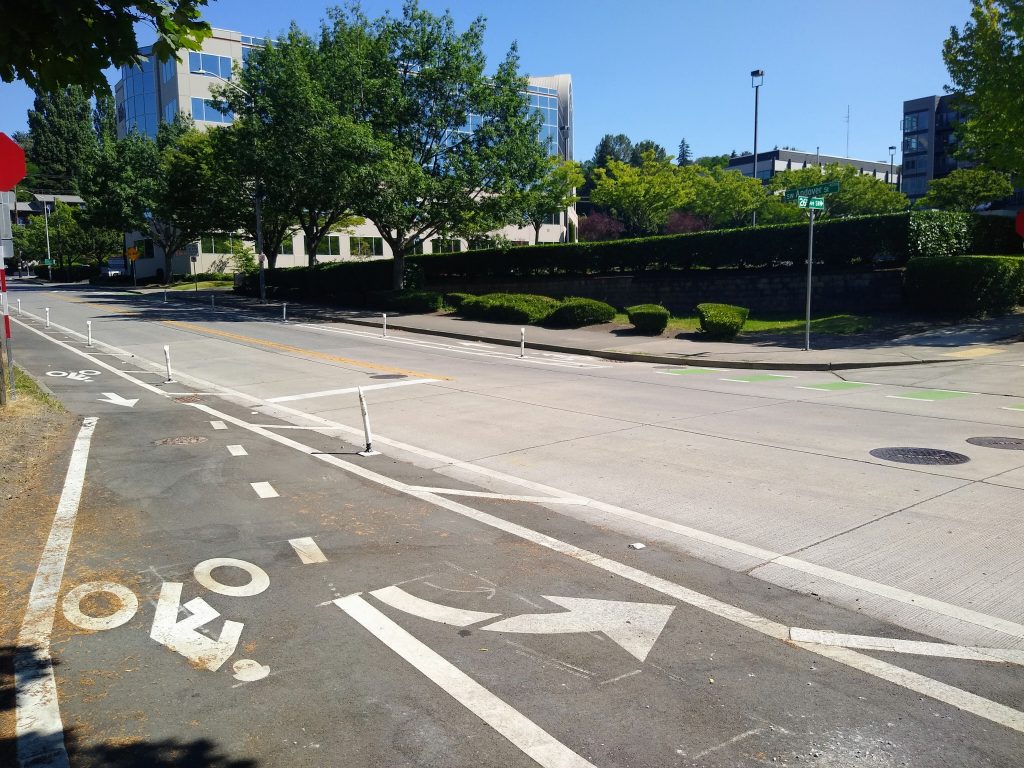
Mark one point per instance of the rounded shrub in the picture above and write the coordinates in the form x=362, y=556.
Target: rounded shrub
x=454, y=300
x=523, y=308
x=648, y=318
x=966, y=285
x=721, y=321
x=575, y=313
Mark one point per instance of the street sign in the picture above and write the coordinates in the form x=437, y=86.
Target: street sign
x=817, y=203
x=828, y=188
x=802, y=201
x=132, y=254
x=49, y=262
x=12, y=163
x=1020, y=223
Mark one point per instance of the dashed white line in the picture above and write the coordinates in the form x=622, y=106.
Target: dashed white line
x=40, y=731
x=264, y=490
x=218, y=425
x=237, y=450
x=307, y=550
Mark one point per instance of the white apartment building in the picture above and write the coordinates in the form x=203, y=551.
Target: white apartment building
x=155, y=92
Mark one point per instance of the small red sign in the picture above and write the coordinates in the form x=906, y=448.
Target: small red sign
x=12, y=163
x=1020, y=222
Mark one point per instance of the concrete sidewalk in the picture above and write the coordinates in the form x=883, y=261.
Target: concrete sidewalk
x=947, y=344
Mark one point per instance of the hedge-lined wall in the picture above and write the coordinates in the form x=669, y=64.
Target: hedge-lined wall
x=856, y=244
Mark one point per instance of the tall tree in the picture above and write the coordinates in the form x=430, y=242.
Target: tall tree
x=451, y=145
x=712, y=161
x=552, y=194
x=104, y=119
x=723, y=198
x=685, y=155
x=986, y=65
x=641, y=197
x=50, y=44
x=309, y=148
x=612, y=147
x=965, y=189
x=636, y=156
x=63, y=143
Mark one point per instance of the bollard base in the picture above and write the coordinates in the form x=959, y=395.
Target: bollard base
x=370, y=452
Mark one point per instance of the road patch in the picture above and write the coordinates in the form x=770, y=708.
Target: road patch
x=931, y=395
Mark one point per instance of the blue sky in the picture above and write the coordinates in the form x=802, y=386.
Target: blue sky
x=667, y=69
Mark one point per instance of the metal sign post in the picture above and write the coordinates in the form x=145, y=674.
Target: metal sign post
x=810, y=266
x=811, y=199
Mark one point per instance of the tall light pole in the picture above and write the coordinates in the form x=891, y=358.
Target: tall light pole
x=892, y=157
x=256, y=196
x=564, y=130
x=756, y=81
x=46, y=224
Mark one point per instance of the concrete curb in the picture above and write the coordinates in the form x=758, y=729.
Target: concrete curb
x=604, y=354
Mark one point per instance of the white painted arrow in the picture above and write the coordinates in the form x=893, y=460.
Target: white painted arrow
x=181, y=636
x=634, y=626
x=115, y=399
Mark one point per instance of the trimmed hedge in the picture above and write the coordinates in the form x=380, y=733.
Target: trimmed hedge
x=721, y=321
x=966, y=285
x=509, y=308
x=413, y=302
x=649, y=318
x=576, y=312
x=454, y=300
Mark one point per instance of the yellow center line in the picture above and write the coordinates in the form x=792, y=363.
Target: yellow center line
x=301, y=351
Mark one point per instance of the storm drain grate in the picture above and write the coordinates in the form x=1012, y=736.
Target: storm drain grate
x=182, y=440
x=189, y=399
x=919, y=456
x=1006, y=443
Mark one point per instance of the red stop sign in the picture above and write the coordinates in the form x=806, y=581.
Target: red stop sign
x=1020, y=222
x=12, y=163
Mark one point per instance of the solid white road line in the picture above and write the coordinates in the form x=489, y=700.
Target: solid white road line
x=264, y=490
x=956, y=697
x=218, y=425
x=307, y=550
x=349, y=390
x=40, y=731
x=398, y=598
x=768, y=556
x=501, y=496
x=918, y=647
x=526, y=735
x=237, y=450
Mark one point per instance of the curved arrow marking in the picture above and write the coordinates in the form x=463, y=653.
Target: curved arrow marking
x=398, y=598
x=634, y=626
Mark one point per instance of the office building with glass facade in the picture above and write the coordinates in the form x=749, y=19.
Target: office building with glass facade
x=928, y=142
x=154, y=92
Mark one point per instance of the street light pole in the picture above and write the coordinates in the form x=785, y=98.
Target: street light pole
x=892, y=157
x=756, y=81
x=564, y=130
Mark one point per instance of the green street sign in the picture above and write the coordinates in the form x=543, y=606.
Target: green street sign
x=828, y=188
x=48, y=262
x=802, y=201
x=816, y=203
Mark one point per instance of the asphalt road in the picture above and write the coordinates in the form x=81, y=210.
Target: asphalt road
x=469, y=595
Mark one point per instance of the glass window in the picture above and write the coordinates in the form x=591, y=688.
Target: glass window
x=198, y=109
x=225, y=67
x=211, y=63
x=329, y=246
x=366, y=246
x=442, y=245
x=195, y=61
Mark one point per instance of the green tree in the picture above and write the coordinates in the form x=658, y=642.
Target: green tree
x=63, y=143
x=30, y=240
x=858, y=195
x=51, y=44
x=120, y=191
x=724, y=198
x=612, y=147
x=685, y=155
x=986, y=66
x=551, y=194
x=636, y=157
x=421, y=84
x=712, y=161
x=308, y=142
x=641, y=197
x=966, y=189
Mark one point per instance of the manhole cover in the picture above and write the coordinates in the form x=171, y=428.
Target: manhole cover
x=189, y=399
x=1006, y=443
x=182, y=440
x=919, y=456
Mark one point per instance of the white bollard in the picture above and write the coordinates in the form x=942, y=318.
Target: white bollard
x=368, y=451
x=47, y=317
x=284, y=312
x=213, y=304
x=384, y=328
x=165, y=297
x=522, y=342
x=19, y=307
x=88, y=325
x=167, y=360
